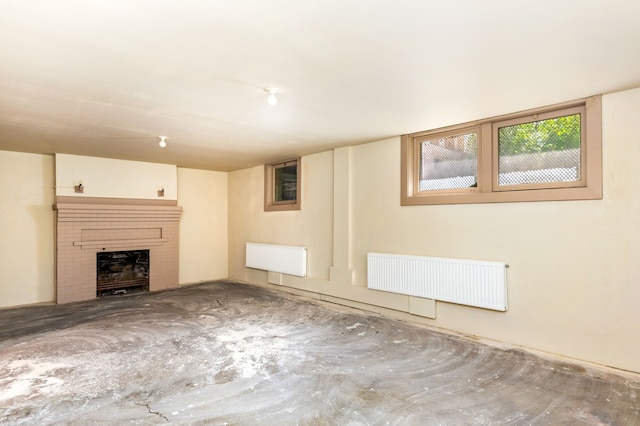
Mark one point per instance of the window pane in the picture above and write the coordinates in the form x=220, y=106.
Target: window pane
x=286, y=183
x=540, y=151
x=449, y=163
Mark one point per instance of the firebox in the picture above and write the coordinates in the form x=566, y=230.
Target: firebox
x=122, y=270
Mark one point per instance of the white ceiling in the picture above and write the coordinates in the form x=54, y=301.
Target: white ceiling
x=106, y=77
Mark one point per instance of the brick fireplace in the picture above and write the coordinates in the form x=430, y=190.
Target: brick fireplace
x=86, y=226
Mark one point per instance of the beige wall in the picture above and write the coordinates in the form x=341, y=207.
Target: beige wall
x=310, y=227
x=110, y=178
x=203, y=244
x=26, y=229
x=573, y=276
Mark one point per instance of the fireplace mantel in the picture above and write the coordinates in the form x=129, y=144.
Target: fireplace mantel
x=87, y=226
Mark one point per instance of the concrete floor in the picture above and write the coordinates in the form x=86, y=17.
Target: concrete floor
x=225, y=353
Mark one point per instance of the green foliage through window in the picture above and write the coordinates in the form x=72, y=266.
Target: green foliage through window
x=555, y=134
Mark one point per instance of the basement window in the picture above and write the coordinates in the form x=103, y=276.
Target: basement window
x=282, y=185
x=546, y=154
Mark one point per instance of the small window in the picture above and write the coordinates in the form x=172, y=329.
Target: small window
x=546, y=154
x=448, y=162
x=282, y=185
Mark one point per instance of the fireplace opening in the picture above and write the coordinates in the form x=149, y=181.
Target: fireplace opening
x=122, y=271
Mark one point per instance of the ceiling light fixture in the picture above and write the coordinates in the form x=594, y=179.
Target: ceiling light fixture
x=163, y=141
x=272, y=100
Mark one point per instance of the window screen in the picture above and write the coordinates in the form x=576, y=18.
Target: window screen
x=540, y=151
x=449, y=162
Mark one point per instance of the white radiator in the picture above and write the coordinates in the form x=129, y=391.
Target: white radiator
x=289, y=260
x=467, y=282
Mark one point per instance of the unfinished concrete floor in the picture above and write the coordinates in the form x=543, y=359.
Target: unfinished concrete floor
x=225, y=353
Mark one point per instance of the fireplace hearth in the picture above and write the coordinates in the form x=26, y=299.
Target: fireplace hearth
x=122, y=270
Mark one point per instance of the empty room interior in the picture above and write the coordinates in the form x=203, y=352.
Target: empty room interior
x=323, y=212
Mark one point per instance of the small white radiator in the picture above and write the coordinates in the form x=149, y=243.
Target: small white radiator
x=467, y=282
x=289, y=260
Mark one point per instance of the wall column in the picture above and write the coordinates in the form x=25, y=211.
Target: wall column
x=342, y=265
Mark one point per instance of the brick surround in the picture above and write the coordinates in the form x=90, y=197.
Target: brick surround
x=85, y=228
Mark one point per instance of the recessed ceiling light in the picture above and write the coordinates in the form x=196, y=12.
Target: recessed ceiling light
x=163, y=141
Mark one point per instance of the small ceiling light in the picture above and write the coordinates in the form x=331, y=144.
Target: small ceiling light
x=272, y=100
x=163, y=141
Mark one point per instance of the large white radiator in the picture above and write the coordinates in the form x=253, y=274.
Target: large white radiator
x=467, y=282
x=289, y=260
